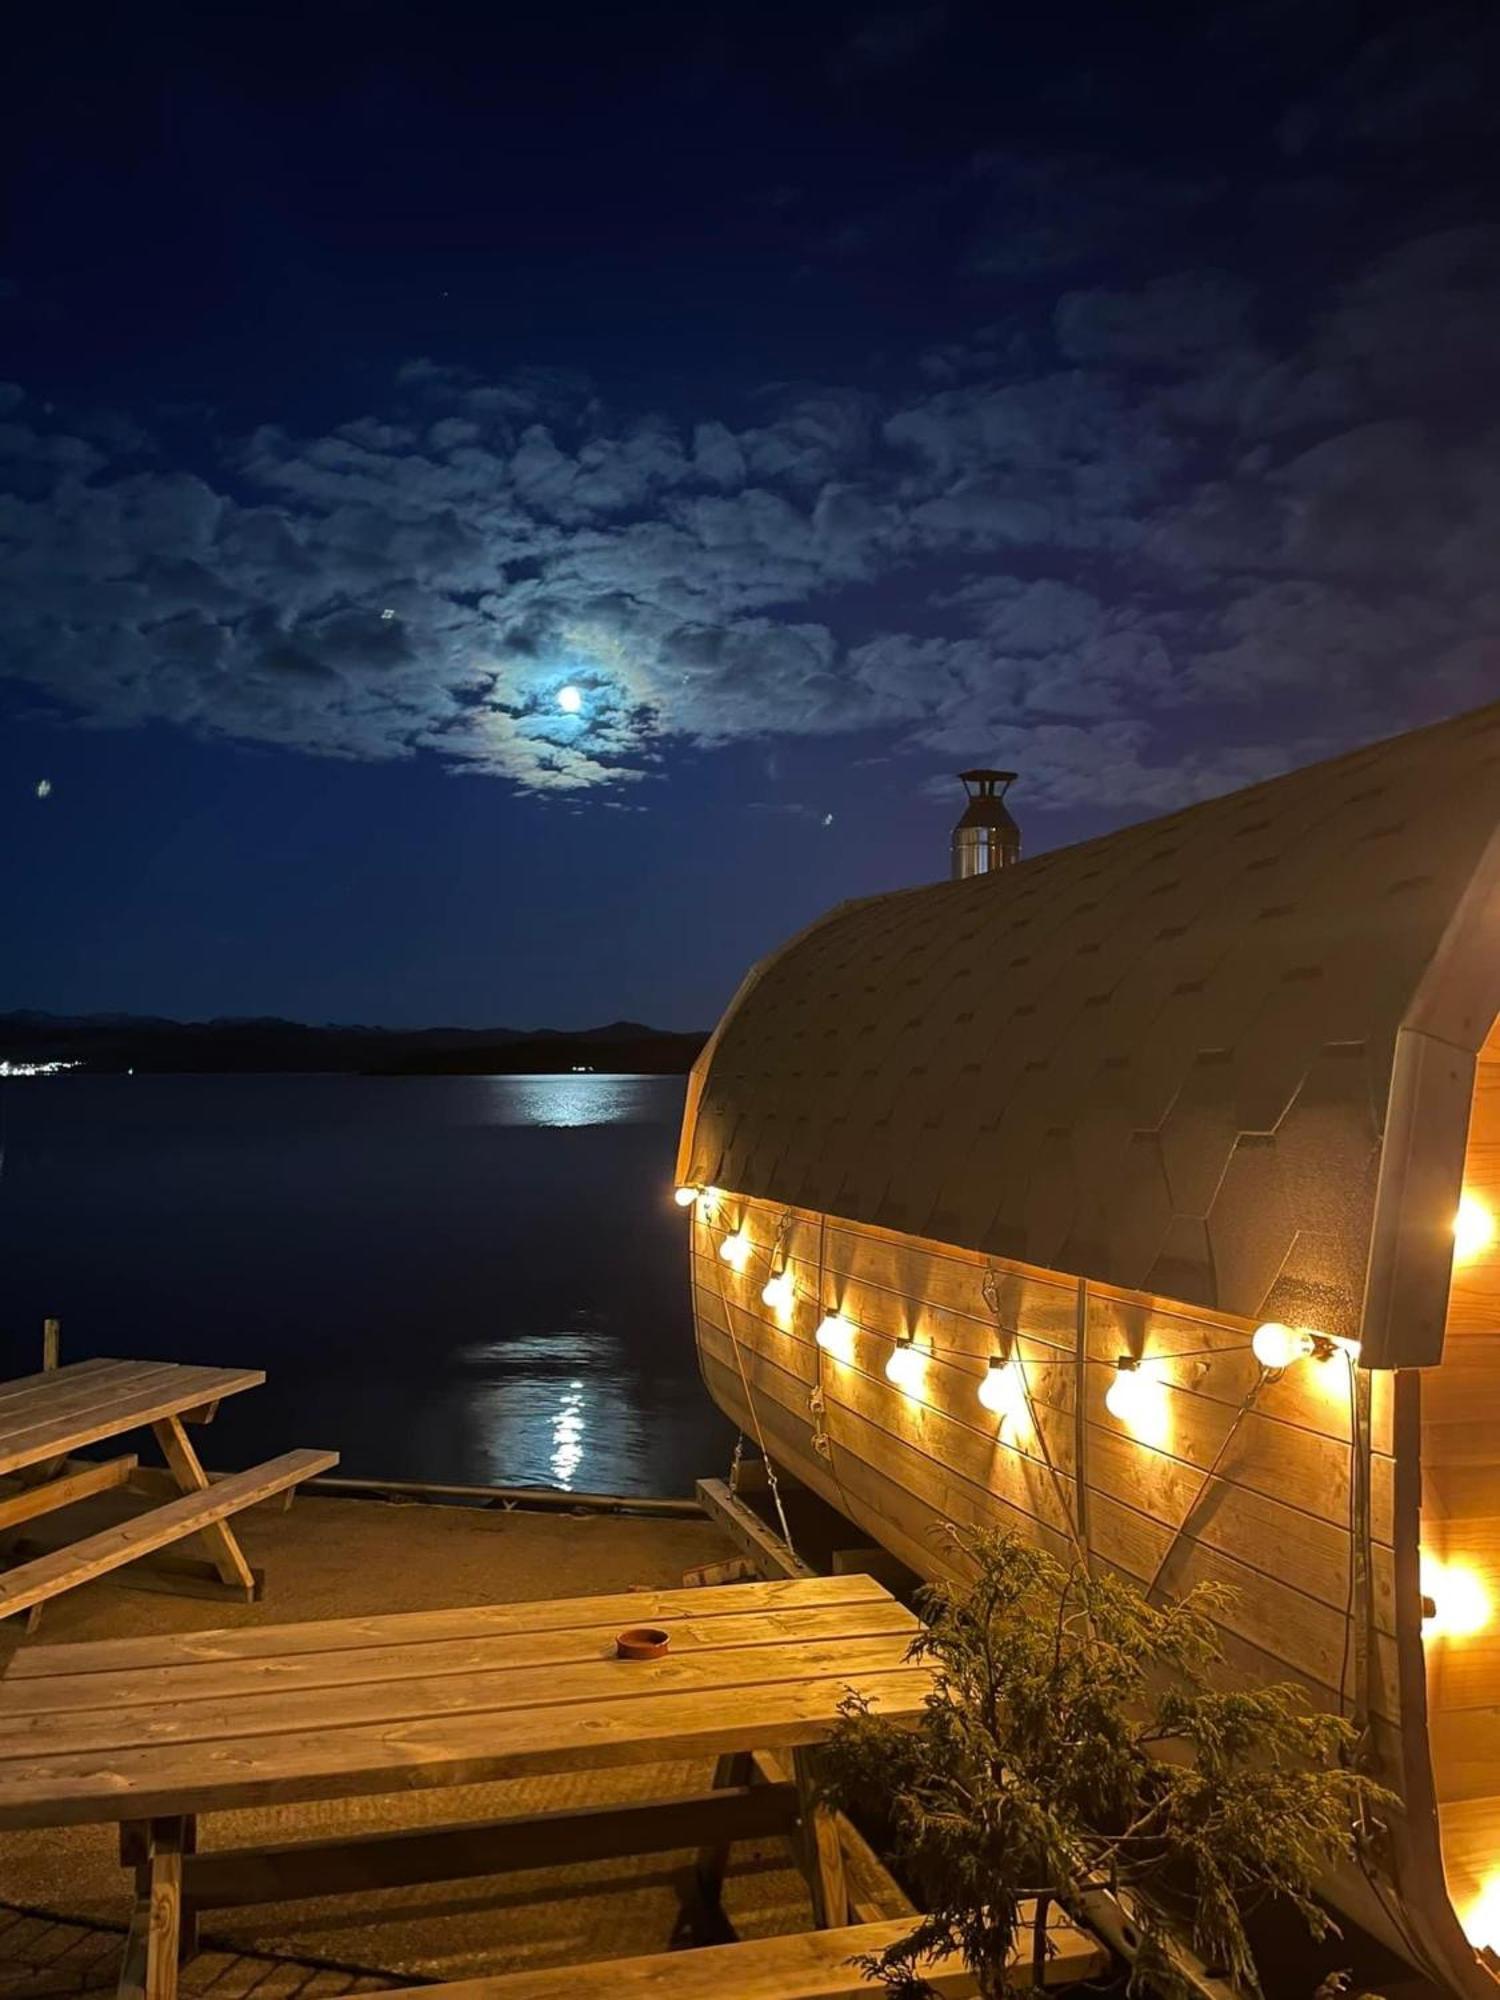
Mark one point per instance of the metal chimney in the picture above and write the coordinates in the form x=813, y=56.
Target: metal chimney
x=986, y=838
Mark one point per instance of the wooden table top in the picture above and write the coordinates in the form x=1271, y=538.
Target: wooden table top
x=51, y=1415
x=119, y=1729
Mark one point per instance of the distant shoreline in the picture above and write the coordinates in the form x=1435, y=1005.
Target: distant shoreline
x=228, y=1048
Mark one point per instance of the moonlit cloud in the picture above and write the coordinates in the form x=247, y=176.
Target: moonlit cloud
x=1145, y=532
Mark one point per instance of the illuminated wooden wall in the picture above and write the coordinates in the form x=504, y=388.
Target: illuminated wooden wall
x=1273, y=1521
x=1461, y=1532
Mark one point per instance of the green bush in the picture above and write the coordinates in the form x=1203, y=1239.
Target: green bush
x=1073, y=1739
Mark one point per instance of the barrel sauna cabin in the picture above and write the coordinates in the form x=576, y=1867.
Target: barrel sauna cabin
x=1143, y=1197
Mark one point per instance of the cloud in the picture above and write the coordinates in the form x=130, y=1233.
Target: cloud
x=1140, y=539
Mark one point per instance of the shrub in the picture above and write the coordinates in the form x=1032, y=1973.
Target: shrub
x=1075, y=1738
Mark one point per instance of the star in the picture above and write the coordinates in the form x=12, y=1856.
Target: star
x=44, y=788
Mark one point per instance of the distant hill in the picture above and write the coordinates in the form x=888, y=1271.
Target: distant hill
x=150, y=1043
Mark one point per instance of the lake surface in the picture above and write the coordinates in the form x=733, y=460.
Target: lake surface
x=470, y=1279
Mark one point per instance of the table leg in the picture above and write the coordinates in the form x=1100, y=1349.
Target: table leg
x=228, y=1556
x=700, y=1917
x=188, y=1934
x=154, y=1945
x=822, y=1850
x=708, y=1869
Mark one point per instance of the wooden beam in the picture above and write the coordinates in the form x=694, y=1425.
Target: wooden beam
x=808, y=1965
x=822, y=1850
x=229, y=1878
x=748, y=1531
x=34, y=1500
x=224, y=1550
x=51, y=1344
x=539, y=1499
x=164, y=1921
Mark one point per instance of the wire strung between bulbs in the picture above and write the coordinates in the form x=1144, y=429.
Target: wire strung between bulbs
x=1275, y=1346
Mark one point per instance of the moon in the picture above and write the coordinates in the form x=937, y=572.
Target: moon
x=570, y=699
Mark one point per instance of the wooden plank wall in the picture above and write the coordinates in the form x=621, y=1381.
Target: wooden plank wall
x=1461, y=1528
x=1266, y=1511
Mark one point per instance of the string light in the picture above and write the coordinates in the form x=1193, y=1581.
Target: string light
x=1473, y=1229
x=906, y=1366
x=686, y=1196
x=1481, y=1918
x=1278, y=1346
x=1001, y=1389
x=1138, y=1400
x=836, y=1337
x=780, y=1292
x=1141, y=1403
x=1455, y=1603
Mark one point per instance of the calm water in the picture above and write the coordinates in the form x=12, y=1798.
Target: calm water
x=479, y=1279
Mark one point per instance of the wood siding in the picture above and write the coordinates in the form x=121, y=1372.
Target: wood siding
x=1244, y=1486
x=1461, y=1528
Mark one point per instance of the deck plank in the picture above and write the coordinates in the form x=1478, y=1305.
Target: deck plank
x=454, y=1749
x=62, y=1693
x=808, y=1965
x=737, y=1672
x=108, y=1412
x=327, y=1635
x=17, y=1389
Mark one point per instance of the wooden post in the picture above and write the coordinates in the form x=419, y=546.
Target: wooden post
x=51, y=1341
x=822, y=1852
x=164, y=1909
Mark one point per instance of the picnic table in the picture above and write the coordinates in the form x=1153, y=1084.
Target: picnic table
x=153, y=1733
x=45, y=1418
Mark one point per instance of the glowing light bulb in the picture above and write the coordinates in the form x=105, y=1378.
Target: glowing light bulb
x=735, y=1250
x=906, y=1366
x=1473, y=1229
x=570, y=699
x=1459, y=1599
x=836, y=1337
x=686, y=1196
x=1481, y=1917
x=1278, y=1346
x=1002, y=1390
x=779, y=1292
x=1138, y=1399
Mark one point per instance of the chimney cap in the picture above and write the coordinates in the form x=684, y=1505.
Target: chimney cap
x=982, y=776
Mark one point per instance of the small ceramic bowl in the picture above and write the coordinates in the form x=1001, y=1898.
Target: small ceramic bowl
x=642, y=1642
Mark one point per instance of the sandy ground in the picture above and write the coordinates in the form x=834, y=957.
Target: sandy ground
x=329, y=1558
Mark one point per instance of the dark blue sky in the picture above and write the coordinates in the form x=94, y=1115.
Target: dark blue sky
x=833, y=395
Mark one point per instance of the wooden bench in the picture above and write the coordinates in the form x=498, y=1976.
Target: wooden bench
x=80, y=1562
x=809, y=1965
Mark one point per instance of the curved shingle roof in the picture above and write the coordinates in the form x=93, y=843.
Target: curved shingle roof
x=1162, y=1059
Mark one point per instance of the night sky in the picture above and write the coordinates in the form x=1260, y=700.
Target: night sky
x=833, y=396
